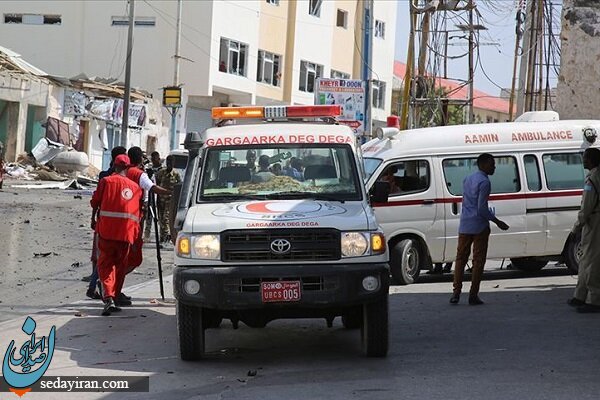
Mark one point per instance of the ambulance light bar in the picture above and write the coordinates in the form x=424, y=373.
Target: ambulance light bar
x=276, y=112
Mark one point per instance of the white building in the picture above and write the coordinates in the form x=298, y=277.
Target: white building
x=234, y=52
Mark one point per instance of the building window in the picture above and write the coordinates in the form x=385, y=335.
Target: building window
x=139, y=21
x=269, y=67
x=339, y=75
x=342, y=19
x=274, y=2
x=309, y=72
x=33, y=19
x=379, y=29
x=314, y=7
x=378, y=92
x=232, y=57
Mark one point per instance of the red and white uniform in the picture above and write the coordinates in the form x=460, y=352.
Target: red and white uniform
x=118, y=226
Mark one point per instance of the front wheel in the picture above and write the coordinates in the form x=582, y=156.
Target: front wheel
x=190, y=330
x=573, y=253
x=529, y=264
x=374, y=329
x=406, y=259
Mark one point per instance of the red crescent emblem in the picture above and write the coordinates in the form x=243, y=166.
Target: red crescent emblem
x=259, y=208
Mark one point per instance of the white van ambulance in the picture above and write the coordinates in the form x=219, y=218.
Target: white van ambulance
x=274, y=222
x=536, y=189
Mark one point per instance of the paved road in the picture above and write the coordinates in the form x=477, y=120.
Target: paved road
x=49, y=221
x=524, y=343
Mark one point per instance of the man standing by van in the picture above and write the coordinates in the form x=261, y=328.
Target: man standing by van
x=474, y=228
x=587, y=293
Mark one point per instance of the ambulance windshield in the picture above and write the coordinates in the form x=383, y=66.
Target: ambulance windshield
x=371, y=165
x=312, y=171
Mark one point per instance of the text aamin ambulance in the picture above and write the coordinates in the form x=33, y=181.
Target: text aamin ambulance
x=536, y=189
x=274, y=223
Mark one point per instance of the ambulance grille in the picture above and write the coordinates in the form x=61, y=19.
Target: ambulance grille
x=255, y=245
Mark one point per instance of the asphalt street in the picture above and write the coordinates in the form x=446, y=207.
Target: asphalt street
x=55, y=225
x=524, y=343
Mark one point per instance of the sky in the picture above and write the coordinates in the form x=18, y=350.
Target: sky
x=496, y=60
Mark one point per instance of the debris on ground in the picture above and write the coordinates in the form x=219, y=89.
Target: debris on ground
x=39, y=255
x=76, y=264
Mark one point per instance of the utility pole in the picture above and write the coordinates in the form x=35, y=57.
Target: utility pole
x=525, y=55
x=518, y=35
x=174, y=110
x=471, y=74
x=367, y=50
x=125, y=122
x=407, y=85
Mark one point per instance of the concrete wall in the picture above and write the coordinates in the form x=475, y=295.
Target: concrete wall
x=578, y=92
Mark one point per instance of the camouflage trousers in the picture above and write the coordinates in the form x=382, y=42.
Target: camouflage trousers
x=147, y=220
x=164, y=217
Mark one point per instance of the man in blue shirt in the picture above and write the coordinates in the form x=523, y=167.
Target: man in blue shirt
x=474, y=228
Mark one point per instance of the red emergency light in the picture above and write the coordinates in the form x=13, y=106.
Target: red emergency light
x=276, y=112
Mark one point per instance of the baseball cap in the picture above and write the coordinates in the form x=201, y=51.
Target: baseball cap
x=122, y=160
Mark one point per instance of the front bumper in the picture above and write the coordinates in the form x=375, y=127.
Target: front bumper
x=322, y=285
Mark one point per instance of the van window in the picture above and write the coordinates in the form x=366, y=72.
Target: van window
x=371, y=165
x=563, y=171
x=504, y=180
x=532, y=173
x=406, y=177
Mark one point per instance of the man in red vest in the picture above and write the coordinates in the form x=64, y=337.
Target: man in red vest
x=137, y=174
x=116, y=203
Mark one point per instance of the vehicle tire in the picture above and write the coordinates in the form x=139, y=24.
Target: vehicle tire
x=406, y=259
x=573, y=253
x=374, y=328
x=211, y=318
x=529, y=264
x=352, y=319
x=190, y=330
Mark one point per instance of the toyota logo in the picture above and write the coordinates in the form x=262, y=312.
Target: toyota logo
x=281, y=246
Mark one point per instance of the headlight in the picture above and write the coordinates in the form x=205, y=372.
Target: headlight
x=357, y=244
x=207, y=247
x=354, y=244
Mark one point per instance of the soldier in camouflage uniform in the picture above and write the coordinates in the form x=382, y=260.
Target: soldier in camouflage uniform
x=166, y=178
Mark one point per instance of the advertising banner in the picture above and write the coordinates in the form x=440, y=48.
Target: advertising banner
x=348, y=93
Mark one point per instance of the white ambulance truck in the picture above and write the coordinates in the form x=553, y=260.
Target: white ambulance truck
x=274, y=222
x=536, y=189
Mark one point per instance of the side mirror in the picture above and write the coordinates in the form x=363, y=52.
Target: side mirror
x=380, y=192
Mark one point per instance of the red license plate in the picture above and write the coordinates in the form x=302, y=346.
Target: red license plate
x=280, y=291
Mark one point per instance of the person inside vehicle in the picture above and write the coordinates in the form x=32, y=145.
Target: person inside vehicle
x=390, y=177
x=263, y=174
x=251, y=160
x=296, y=169
x=276, y=169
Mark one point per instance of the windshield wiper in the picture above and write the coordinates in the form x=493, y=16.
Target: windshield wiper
x=234, y=197
x=304, y=195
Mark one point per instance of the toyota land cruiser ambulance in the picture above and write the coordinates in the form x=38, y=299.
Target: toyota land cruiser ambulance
x=536, y=189
x=274, y=222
